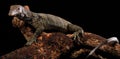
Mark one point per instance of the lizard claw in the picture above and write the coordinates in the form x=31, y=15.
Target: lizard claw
x=76, y=36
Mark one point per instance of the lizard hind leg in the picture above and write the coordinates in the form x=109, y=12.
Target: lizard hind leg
x=78, y=32
x=78, y=36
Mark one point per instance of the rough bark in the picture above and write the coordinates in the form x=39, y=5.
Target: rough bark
x=59, y=46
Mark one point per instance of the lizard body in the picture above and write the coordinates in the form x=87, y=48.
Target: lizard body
x=42, y=21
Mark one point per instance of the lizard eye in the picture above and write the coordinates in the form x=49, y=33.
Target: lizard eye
x=18, y=8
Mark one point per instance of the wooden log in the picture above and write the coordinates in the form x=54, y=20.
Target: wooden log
x=59, y=46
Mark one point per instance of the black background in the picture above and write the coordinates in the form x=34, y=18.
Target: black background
x=99, y=17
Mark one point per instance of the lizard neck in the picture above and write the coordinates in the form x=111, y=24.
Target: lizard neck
x=29, y=17
x=29, y=14
x=26, y=15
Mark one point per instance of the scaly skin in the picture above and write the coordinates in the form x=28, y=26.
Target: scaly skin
x=42, y=21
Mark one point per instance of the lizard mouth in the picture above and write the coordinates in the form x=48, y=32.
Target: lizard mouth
x=11, y=14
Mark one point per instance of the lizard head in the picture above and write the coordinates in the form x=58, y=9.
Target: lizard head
x=18, y=10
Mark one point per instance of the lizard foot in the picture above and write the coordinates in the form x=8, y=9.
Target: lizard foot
x=78, y=36
x=31, y=41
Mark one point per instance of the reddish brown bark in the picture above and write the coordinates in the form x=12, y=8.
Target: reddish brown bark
x=59, y=46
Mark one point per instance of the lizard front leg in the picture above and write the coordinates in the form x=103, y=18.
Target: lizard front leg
x=34, y=37
x=78, y=32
